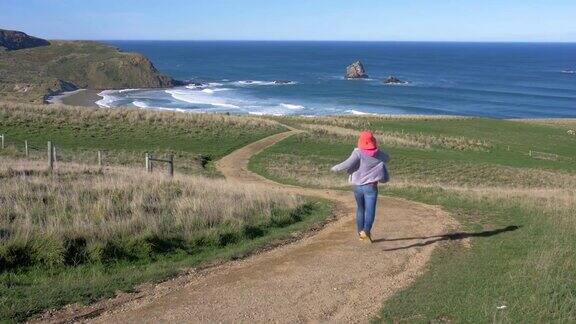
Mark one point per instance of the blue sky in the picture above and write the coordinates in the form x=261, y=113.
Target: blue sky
x=372, y=20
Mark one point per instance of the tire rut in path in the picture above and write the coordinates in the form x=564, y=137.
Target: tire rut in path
x=329, y=276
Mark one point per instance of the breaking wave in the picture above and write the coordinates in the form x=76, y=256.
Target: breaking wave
x=357, y=112
x=292, y=106
x=199, y=97
x=107, y=98
x=264, y=83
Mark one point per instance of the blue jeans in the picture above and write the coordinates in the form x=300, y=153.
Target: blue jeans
x=366, y=197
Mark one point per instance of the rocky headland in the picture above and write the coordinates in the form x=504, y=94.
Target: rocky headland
x=34, y=69
x=11, y=40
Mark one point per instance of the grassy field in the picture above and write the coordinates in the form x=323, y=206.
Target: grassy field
x=126, y=134
x=517, y=209
x=83, y=233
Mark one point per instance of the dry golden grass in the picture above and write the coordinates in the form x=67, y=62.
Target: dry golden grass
x=63, y=113
x=81, y=214
x=399, y=139
x=365, y=121
x=549, y=121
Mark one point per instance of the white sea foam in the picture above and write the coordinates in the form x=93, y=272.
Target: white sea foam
x=195, y=86
x=251, y=83
x=357, y=112
x=145, y=105
x=215, y=90
x=399, y=84
x=140, y=104
x=199, y=97
x=292, y=106
x=281, y=109
x=225, y=105
x=127, y=90
x=263, y=83
x=568, y=71
x=107, y=98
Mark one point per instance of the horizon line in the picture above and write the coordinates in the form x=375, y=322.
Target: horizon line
x=321, y=40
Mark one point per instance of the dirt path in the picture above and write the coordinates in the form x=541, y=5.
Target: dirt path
x=329, y=276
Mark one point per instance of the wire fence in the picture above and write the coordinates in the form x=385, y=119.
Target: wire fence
x=53, y=154
x=549, y=156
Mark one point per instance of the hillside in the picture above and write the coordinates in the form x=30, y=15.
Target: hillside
x=15, y=40
x=33, y=74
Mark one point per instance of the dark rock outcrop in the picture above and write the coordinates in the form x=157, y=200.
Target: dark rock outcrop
x=356, y=71
x=282, y=82
x=197, y=84
x=59, y=87
x=394, y=80
x=14, y=40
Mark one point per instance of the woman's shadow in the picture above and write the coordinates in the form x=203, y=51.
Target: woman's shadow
x=446, y=237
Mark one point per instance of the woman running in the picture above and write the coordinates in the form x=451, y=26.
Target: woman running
x=366, y=167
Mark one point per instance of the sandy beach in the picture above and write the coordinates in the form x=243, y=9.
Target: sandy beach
x=81, y=97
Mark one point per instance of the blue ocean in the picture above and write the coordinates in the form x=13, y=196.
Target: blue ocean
x=500, y=80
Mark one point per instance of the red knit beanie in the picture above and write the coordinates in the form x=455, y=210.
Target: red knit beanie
x=366, y=141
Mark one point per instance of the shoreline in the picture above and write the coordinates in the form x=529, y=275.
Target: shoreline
x=89, y=97
x=80, y=97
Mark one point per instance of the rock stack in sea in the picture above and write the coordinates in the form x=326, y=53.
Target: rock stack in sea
x=356, y=71
x=394, y=80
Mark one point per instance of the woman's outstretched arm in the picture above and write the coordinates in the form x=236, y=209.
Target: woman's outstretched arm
x=348, y=164
x=385, y=157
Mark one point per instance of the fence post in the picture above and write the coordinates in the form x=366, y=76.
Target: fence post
x=50, y=156
x=171, y=165
x=99, y=159
x=26, y=147
x=2, y=140
x=530, y=153
x=148, y=164
x=54, y=152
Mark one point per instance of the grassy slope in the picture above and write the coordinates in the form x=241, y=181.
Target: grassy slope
x=528, y=269
x=127, y=134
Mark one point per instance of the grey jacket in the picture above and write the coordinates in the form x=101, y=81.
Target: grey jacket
x=364, y=169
